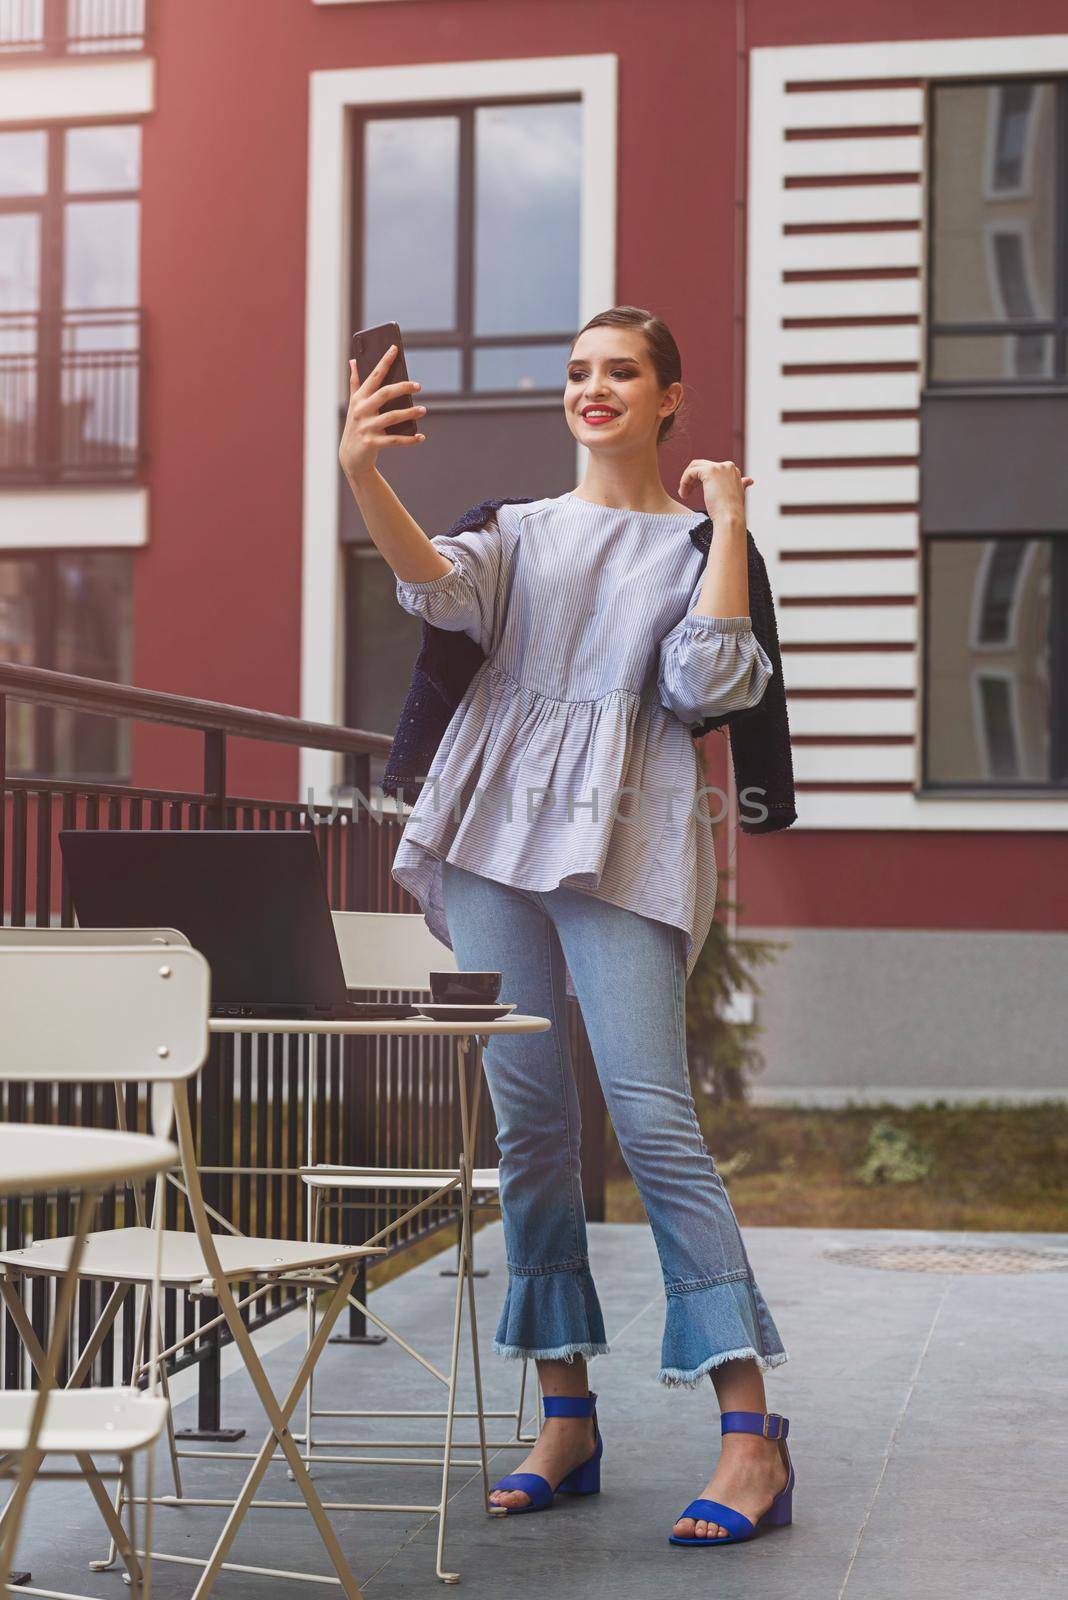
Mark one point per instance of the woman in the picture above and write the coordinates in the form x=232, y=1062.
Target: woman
x=559, y=839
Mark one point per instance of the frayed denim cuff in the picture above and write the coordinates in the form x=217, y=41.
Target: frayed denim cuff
x=551, y=1316
x=709, y=1324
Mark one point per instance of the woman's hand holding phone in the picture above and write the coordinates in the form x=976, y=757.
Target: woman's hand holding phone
x=367, y=432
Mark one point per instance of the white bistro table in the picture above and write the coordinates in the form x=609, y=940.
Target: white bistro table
x=471, y=1038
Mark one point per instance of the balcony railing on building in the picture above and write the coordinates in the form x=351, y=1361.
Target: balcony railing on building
x=71, y=396
x=72, y=27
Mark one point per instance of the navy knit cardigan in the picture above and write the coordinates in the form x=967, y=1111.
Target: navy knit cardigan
x=759, y=735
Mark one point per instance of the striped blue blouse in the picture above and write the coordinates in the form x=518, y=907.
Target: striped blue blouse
x=568, y=760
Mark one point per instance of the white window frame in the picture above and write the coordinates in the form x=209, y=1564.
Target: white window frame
x=333, y=96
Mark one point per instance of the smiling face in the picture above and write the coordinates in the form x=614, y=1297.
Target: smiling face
x=613, y=398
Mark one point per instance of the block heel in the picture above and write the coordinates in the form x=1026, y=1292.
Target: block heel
x=583, y=1479
x=781, y=1511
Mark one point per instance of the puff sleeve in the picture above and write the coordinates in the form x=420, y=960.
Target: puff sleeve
x=465, y=600
x=711, y=665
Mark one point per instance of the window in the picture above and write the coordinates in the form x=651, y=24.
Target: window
x=465, y=232
x=70, y=326
x=467, y=224
x=998, y=269
x=70, y=611
x=997, y=662
x=998, y=303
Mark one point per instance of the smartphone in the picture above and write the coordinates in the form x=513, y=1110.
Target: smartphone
x=369, y=346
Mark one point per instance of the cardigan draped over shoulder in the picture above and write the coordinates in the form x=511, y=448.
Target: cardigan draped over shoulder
x=759, y=735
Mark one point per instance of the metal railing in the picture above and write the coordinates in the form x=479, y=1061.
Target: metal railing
x=71, y=396
x=72, y=27
x=377, y=1101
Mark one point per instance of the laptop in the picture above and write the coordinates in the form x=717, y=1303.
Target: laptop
x=253, y=903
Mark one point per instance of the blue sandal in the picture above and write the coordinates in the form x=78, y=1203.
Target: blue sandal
x=584, y=1479
x=781, y=1510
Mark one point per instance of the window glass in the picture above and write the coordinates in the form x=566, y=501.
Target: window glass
x=528, y=173
x=20, y=261
x=994, y=173
x=991, y=357
x=437, y=370
x=23, y=163
x=101, y=257
x=93, y=638
x=539, y=366
x=19, y=605
x=988, y=660
x=410, y=206
x=103, y=159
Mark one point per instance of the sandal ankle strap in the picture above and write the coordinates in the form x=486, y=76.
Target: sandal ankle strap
x=769, y=1423
x=569, y=1405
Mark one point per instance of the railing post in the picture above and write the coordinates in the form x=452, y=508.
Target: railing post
x=214, y=1082
x=54, y=27
x=215, y=778
x=358, y=1123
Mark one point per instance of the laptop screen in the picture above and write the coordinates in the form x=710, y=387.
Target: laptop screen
x=254, y=904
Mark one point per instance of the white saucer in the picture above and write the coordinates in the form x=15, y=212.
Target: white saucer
x=442, y=1012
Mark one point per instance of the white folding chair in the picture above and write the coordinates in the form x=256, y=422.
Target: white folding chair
x=59, y=1025
x=42, y=937
x=395, y=951
x=200, y=1262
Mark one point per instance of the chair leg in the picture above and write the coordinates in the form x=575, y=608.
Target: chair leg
x=82, y=1373
x=31, y=1457
x=122, y=1541
x=278, y=1415
x=450, y=1415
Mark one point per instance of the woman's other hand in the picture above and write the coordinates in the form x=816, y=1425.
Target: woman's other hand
x=723, y=487
x=365, y=432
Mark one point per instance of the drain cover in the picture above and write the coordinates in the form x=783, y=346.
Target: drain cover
x=951, y=1258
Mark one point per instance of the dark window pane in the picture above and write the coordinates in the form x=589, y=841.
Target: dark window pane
x=999, y=728
x=993, y=212
x=101, y=257
x=986, y=358
x=988, y=660
x=1015, y=118
x=1000, y=589
x=542, y=366
x=383, y=641
x=23, y=161
x=527, y=194
x=103, y=158
x=19, y=607
x=411, y=186
x=94, y=638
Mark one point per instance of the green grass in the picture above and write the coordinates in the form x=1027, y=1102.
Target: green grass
x=945, y=1167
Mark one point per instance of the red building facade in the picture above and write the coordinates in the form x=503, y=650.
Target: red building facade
x=857, y=235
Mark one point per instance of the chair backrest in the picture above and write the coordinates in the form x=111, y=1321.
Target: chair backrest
x=79, y=936
x=102, y=1013
x=389, y=949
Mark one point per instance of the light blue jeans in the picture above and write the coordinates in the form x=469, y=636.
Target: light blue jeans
x=628, y=973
